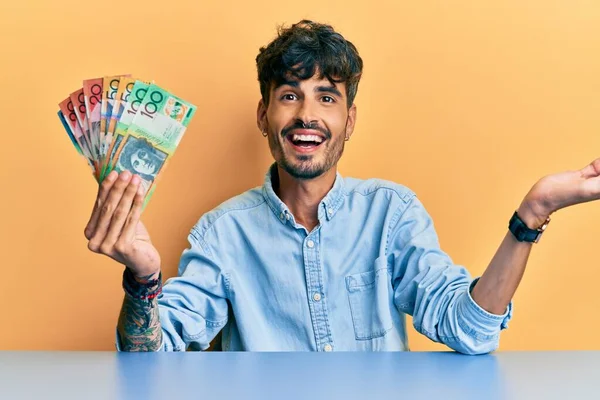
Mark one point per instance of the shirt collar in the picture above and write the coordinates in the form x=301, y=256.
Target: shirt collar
x=327, y=207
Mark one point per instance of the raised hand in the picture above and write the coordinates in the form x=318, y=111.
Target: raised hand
x=115, y=229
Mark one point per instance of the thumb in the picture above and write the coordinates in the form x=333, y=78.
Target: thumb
x=591, y=170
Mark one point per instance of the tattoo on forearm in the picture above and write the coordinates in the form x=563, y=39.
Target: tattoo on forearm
x=139, y=325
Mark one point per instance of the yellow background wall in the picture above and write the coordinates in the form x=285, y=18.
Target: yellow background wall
x=466, y=102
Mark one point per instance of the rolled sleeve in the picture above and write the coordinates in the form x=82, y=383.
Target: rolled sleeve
x=478, y=330
x=435, y=291
x=484, y=318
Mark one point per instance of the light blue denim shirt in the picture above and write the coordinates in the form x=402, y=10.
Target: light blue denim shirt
x=270, y=285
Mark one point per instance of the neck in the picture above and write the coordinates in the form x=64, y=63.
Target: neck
x=302, y=197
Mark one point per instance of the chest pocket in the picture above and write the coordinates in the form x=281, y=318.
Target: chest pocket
x=370, y=295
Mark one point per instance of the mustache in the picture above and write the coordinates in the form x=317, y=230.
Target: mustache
x=301, y=125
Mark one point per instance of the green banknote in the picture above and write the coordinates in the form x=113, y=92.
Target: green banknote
x=150, y=139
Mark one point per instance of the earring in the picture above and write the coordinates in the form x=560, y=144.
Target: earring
x=347, y=138
x=264, y=133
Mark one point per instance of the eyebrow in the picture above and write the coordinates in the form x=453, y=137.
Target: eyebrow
x=329, y=89
x=293, y=84
x=319, y=89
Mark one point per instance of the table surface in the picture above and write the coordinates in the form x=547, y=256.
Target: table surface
x=307, y=376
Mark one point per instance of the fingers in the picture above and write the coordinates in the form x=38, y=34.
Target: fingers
x=591, y=170
x=132, y=221
x=120, y=215
x=107, y=209
x=103, y=191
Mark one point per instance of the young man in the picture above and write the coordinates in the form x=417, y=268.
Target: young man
x=312, y=260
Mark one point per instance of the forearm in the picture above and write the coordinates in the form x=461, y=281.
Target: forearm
x=496, y=287
x=498, y=284
x=139, y=323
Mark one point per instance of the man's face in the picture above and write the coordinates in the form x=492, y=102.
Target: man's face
x=307, y=123
x=144, y=163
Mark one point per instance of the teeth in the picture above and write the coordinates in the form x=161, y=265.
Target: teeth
x=308, y=138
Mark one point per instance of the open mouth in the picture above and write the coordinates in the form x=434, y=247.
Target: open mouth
x=305, y=143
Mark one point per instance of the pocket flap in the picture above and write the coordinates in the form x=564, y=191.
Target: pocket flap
x=363, y=280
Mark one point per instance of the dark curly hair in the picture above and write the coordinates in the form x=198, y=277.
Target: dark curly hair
x=303, y=49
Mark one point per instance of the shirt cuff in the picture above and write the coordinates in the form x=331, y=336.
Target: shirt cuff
x=480, y=322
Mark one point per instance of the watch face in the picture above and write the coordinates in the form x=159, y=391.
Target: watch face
x=545, y=225
x=538, y=236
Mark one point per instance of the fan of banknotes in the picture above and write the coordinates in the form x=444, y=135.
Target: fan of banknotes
x=123, y=123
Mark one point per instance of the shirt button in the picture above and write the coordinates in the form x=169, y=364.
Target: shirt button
x=310, y=244
x=317, y=297
x=330, y=211
x=281, y=216
x=287, y=216
x=328, y=347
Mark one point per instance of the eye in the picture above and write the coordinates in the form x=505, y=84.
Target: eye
x=142, y=153
x=328, y=99
x=289, y=97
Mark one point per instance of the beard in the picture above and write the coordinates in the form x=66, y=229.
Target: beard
x=307, y=166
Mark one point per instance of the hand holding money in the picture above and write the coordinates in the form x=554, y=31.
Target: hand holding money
x=127, y=130
x=115, y=230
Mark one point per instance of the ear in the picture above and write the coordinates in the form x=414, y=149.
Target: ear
x=351, y=121
x=261, y=116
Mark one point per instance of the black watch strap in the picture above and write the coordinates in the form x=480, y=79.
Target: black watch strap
x=522, y=232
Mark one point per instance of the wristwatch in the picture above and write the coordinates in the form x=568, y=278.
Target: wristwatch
x=523, y=233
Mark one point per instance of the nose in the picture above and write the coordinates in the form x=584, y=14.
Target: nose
x=306, y=114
